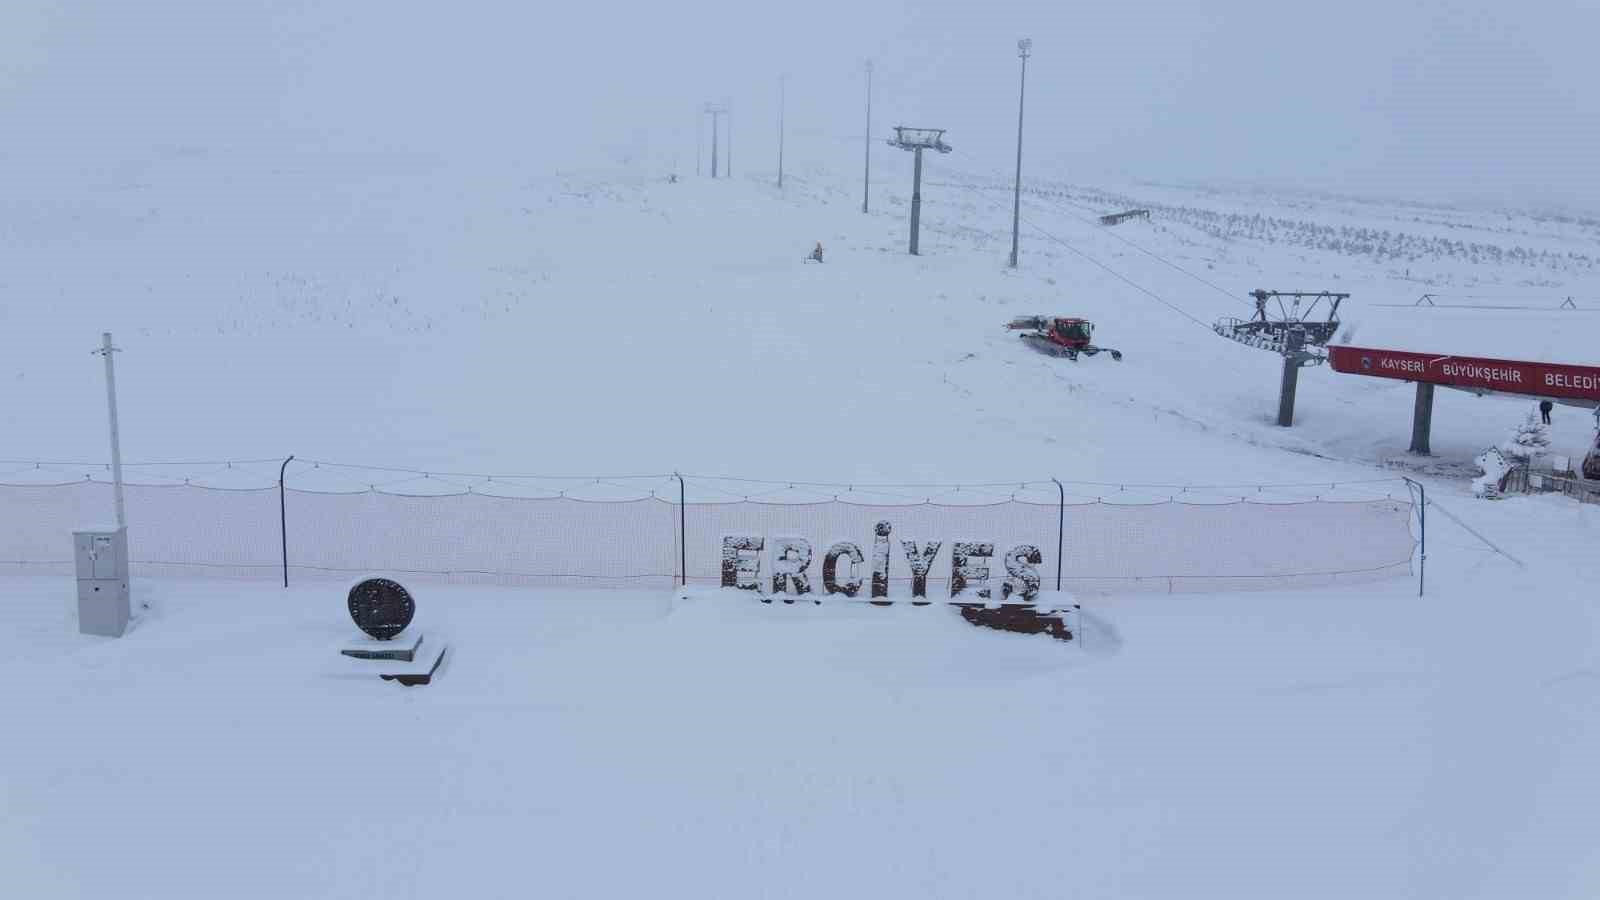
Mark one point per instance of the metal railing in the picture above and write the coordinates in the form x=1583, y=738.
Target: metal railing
x=1523, y=480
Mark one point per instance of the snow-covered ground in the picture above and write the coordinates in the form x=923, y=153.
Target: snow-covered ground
x=1319, y=743
x=412, y=311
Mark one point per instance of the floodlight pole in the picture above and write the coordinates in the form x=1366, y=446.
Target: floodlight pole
x=1024, y=47
x=781, y=85
x=866, y=178
x=714, y=141
x=713, y=110
x=116, y=442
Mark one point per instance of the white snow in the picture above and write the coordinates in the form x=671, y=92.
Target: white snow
x=1550, y=335
x=446, y=315
x=1317, y=743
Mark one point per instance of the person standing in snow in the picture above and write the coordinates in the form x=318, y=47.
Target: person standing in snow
x=1544, y=410
x=816, y=254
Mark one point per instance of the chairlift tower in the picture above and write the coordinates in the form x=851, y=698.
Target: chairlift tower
x=917, y=140
x=1290, y=324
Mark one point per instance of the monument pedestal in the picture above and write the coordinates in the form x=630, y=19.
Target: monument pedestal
x=401, y=648
x=410, y=660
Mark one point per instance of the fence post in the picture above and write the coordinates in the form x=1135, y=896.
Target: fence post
x=1061, y=526
x=283, y=518
x=683, y=537
x=1422, y=521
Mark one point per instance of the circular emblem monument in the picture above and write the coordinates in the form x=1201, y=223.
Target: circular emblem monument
x=381, y=608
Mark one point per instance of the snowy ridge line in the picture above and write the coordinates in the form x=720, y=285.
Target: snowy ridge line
x=1077, y=500
x=318, y=463
x=1485, y=307
x=712, y=580
x=1033, y=494
x=1023, y=484
x=1560, y=297
x=931, y=579
x=591, y=543
x=135, y=465
x=852, y=487
x=145, y=484
x=1045, y=483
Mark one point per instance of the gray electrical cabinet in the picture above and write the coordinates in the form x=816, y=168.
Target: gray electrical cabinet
x=102, y=565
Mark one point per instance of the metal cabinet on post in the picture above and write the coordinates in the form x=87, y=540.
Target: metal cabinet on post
x=102, y=564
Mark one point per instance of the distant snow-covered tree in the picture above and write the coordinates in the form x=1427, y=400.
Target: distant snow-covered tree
x=1529, y=441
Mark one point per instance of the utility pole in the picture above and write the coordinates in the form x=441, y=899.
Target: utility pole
x=917, y=140
x=714, y=111
x=781, y=86
x=116, y=442
x=866, y=178
x=1024, y=47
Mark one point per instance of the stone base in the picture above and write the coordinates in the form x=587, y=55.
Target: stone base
x=413, y=663
x=1021, y=619
x=401, y=648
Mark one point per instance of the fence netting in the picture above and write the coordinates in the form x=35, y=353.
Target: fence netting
x=1152, y=538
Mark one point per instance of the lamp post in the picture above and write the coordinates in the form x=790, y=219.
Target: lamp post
x=1024, y=48
x=106, y=349
x=866, y=178
x=714, y=111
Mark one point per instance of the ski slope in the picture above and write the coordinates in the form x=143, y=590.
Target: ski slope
x=421, y=311
x=521, y=322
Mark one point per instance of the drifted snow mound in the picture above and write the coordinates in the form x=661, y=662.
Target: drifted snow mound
x=900, y=641
x=1495, y=466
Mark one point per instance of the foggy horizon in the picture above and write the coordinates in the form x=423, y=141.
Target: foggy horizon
x=1473, y=105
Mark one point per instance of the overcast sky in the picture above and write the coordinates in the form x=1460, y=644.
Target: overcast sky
x=1464, y=101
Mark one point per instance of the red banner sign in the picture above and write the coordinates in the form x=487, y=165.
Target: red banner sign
x=1503, y=375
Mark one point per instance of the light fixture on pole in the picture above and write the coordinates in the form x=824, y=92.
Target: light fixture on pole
x=1024, y=48
x=917, y=140
x=866, y=178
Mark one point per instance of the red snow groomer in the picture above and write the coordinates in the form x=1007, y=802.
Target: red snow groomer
x=1060, y=336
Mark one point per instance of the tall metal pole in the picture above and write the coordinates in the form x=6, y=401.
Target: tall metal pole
x=1061, y=527
x=916, y=198
x=714, y=141
x=683, y=536
x=781, y=81
x=283, y=518
x=116, y=441
x=866, y=178
x=1023, y=47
